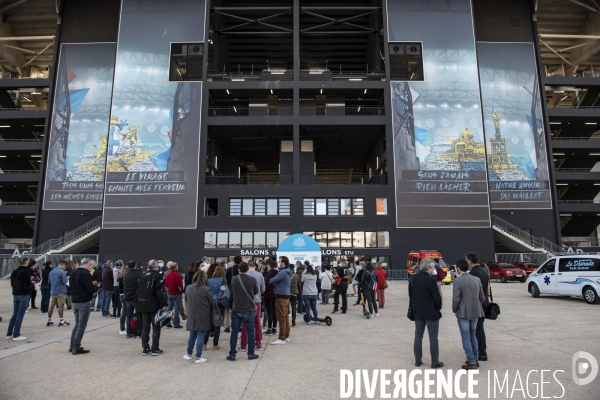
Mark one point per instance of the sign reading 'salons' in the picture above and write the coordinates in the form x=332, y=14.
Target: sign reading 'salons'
x=154, y=135
x=439, y=149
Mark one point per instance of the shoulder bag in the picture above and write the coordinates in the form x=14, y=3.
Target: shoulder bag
x=493, y=309
x=247, y=294
x=217, y=317
x=224, y=295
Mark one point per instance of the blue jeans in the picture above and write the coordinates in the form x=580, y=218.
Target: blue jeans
x=265, y=313
x=300, y=302
x=20, y=304
x=100, y=295
x=45, y=298
x=129, y=310
x=81, y=311
x=469, y=339
x=175, y=306
x=106, y=301
x=116, y=301
x=310, y=302
x=236, y=324
x=196, y=337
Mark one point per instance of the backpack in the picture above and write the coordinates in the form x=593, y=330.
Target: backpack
x=372, y=284
x=136, y=324
x=224, y=295
x=441, y=274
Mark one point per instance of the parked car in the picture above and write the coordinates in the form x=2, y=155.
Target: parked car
x=506, y=272
x=571, y=275
x=528, y=266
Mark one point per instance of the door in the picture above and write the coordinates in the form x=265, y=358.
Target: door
x=566, y=277
x=546, y=277
x=494, y=271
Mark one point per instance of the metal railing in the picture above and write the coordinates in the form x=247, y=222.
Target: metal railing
x=241, y=76
x=8, y=265
x=342, y=110
x=583, y=139
x=590, y=201
x=236, y=111
x=249, y=179
x=18, y=171
x=574, y=170
x=343, y=179
x=17, y=203
x=15, y=243
x=575, y=241
x=518, y=233
x=331, y=75
x=23, y=108
x=537, y=258
x=56, y=244
x=396, y=274
x=21, y=140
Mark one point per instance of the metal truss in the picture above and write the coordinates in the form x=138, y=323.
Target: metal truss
x=233, y=30
x=317, y=12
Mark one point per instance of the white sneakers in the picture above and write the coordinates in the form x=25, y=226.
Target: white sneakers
x=377, y=314
x=122, y=332
x=200, y=360
x=278, y=341
x=19, y=338
x=187, y=357
x=9, y=337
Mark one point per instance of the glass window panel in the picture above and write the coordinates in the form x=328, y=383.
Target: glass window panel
x=284, y=207
x=383, y=239
x=345, y=207
x=247, y=239
x=282, y=236
x=259, y=240
x=334, y=239
x=210, y=240
x=333, y=207
x=357, y=206
x=321, y=238
x=222, y=240
x=272, y=207
x=235, y=240
x=358, y=239
x=346, y=239
x=260, y=207
x=235, y=207
x=321, y=206
x=309, y=206
x=248, y=207
x=370, y=239
x=272, y=240
x=381, y=206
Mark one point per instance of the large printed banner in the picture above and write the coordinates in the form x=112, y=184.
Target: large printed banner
x=78, y=132
x=154, y=136
x=439, y=153
x=514, y=126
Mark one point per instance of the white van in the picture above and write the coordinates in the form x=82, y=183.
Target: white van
x=568, y=275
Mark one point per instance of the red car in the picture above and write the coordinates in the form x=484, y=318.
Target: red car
x=506, y=272
x=528, y=266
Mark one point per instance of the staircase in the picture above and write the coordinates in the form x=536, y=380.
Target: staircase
x=73, y=242
x=520, y=241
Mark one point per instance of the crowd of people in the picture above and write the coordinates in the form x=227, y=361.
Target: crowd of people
x=469, y=302
x=235, y=296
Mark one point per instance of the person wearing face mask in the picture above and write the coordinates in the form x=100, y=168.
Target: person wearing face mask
x=162, y=268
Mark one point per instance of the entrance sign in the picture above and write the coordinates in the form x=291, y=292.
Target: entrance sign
x=300, y=247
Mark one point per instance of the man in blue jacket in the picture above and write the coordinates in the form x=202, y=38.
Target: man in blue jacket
x=425, y=304
x=282, y=282
x=58, y=293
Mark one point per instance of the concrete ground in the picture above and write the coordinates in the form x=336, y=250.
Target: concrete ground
x=530, y=334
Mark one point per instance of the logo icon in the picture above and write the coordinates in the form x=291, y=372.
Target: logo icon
x=583, y=363
x=547, y=280
x=299, y=242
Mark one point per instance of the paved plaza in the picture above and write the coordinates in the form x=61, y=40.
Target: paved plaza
x=531, y=334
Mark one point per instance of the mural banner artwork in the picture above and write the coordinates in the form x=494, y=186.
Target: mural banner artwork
x=439, y=154
x=154, y=135
x=78, y=131
x=514, y=126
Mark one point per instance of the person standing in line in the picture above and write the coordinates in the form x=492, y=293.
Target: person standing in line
x=283, y=282
x=310, y=293
x=151, y=297
x=438, y=275
x=116, y=298
x=230, y=272
x=82, y=289
x=130, y=285
x=69, y=270
x=269, y=296
x=360, y=270
x=58, y=293
x=121, y=283
x=96, y=273
x=174, y=285
x=45, y=287
x=381, y=278
x=200, y=302
x=243, y=291
x=260, y=283
x=300, y=297
x=368, y=286
x=215, y=282
x=295, y=288
x=108, y=283
x=20, y=281
x=162, y=268
x=326, y=281
x=425, y=304
x=35, y=279
x=341, y=290
x=478, y=271
x=467, y=298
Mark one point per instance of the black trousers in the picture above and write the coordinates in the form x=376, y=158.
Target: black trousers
x=370, y=299
x=342, y=289
x=293, y=304
x=270, y=301
x=480, y=334
x=147, y=320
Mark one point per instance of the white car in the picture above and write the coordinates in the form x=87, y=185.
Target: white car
x=568, y=275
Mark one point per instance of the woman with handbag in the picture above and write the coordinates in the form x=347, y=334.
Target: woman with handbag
x=381, y=284
x=200, y=303
x=214, y=283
